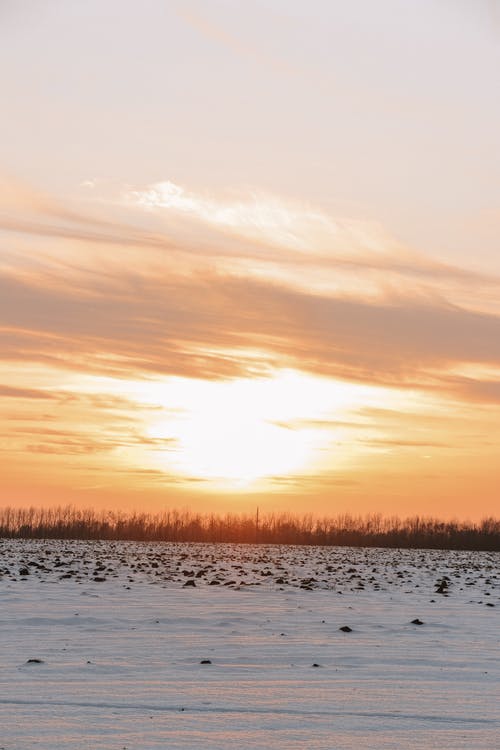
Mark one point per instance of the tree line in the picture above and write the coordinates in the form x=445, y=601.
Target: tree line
x=371, y=530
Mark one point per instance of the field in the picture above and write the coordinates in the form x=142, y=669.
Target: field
x=102, y=646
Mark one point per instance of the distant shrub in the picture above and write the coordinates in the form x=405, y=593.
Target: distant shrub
x=372, y=530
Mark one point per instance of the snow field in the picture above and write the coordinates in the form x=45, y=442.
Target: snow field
x=120, y=659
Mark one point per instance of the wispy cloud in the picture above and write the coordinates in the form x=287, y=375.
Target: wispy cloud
x=8, y=391
x=195, y=16
x=251, y=234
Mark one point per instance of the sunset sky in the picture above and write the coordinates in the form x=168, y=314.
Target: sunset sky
x=250, y=255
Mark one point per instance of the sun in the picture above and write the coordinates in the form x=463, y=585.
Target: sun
x=238, y=447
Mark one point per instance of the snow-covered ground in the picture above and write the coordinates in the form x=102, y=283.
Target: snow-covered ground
x=120, y=658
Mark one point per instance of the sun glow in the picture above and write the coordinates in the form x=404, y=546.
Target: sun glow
x=238, y=432
x=289, y=429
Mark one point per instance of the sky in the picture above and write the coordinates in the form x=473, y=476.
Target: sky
x=250, y=255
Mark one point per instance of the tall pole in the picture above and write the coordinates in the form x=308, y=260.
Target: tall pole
x=257, y=526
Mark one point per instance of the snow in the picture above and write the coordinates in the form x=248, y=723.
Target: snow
x=121, y=658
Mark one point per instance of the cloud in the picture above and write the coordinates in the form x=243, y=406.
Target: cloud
x=7, y=391
x=67, y=447
x=160, y=476
x=228, y=40
x=82, y=442
x=300, y=235
x=319, y=424
x=254, y=234
x=366, y=313
x=312, y=482
x=213, y=326
x=402, y=443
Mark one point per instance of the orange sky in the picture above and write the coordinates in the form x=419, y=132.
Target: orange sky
x=242, y=266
